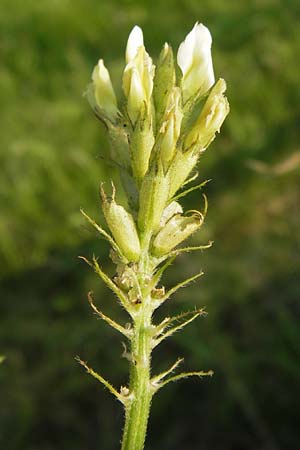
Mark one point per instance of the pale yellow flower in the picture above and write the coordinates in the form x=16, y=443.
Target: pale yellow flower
x=103, y=90
x=195, y=61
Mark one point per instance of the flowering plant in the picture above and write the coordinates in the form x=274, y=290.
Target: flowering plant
x=157, y=136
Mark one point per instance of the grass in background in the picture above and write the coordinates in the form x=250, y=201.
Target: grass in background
x=51, y=156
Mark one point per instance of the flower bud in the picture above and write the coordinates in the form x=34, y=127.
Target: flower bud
x=164, y=81
x=195, y=61
x=104, y=95
x=133, y=89
x=122, y=227
x=137, y=80
x=119, y=148
x=154, y=195
x=176, y=230
x=182, y=165
x=141, y=143
x=170, y=129
x=210, y=119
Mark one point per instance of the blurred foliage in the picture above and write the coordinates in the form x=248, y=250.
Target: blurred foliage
x=52, y=156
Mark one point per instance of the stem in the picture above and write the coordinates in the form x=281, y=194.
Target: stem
x=138, y=407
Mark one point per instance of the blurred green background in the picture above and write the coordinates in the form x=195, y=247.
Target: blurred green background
x=51, y=153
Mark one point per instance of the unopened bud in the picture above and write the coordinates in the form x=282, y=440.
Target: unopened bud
x=153, y=198
x=164, y=81
x=195, y=61
x=133, y=89
x=170, y=129
x=122, y=227
x=119, y=145
x=182, y=165
x=141, y=143
x=176, y=230
x=138, y=83
x=103, y=91
x=210, y=119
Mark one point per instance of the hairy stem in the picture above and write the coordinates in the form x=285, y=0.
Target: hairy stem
x=138, y=408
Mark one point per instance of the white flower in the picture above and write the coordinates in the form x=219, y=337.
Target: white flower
x=103, y=90
x=195, y=62
x=138, y=75
x=135, y=40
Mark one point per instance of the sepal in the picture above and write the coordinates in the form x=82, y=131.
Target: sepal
x=181, y=167
x=119, y=147
x=164, y=81
x=122, y=226
x=141, y=144
x=154, y=195
x=169, y=131
x=210, y=119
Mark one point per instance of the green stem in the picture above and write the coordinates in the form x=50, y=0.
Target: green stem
x=138, y=407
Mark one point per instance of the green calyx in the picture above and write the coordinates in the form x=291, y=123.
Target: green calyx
x=122, y=226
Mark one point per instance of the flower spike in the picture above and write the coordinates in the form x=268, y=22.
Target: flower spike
x=168, y=118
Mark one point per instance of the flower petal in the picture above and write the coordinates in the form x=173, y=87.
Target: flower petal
x=135, y=40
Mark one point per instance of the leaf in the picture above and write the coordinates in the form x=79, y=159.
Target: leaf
x=190, y=249
x=182, y=375
x=187, y=191
x=106, y=236
x=112, y=323
x=158, y=274
x=178, y=286
x=119, y=293
x=156, y=380
x=163, y=335
x=102, y=380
